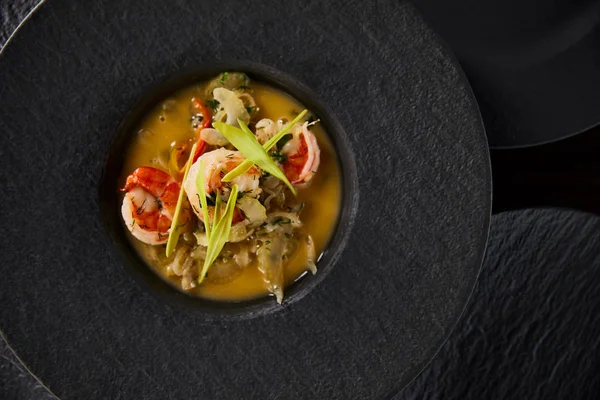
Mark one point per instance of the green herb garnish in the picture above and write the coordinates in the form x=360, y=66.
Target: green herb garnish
x=214, y=104
x=224, y=77
x=218, y=206
x=219, y=232
x=279, y=157
x=202, y=195
x=243, y=139
x=247, y=164
x=174, y=230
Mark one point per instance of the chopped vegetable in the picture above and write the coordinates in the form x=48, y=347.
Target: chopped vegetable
x=202, y=195
x=219, y=234
x=232, y=107
x=174, y=230
x=254, y=212
x=218, y=206
x=246, y=165
x=270, y=262
x=246, y=143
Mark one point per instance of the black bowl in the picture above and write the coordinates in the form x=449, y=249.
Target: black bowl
x=110, y=198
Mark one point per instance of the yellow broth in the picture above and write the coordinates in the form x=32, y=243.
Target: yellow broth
x=170, y=122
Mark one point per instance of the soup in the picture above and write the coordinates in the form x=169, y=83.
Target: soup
x=231, y=190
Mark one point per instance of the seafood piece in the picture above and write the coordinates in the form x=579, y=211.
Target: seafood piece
x=217, y=163
x=303, y=156
x=149, y=204
x=265, y=130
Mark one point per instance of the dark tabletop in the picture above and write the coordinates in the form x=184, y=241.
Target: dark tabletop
x=531, y=330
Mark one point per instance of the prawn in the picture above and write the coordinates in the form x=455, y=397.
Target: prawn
x=217, y=164
x=303, y=156
x=149, y=204
x=302, y=153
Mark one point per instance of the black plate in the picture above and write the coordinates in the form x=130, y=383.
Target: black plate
x=78, y=320
x=533, y=64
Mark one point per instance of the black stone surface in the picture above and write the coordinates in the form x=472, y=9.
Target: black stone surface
x=532, y=328
x=88, y=331
x=16, y=383
x=533, y=64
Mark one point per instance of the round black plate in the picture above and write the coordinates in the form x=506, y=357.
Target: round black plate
x=87, y=330
x=533, y=65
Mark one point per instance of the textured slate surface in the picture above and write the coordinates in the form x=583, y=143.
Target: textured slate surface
x=15, y=381
x=532, y=308
x=364, y=331
x=532, y=328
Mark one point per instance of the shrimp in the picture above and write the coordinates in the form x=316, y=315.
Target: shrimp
x=149, y=204
x=265, y=130
x=217, y=163
x=303, y=156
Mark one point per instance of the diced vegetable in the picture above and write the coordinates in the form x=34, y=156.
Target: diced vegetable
x=174, y=230
x=246, y=165
x=247, y=144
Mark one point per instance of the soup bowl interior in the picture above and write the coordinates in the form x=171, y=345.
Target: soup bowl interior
x=110, y=197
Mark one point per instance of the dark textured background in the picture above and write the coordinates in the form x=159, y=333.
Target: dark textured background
x=89, y=331
x=532, y=329
x=15, y=382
